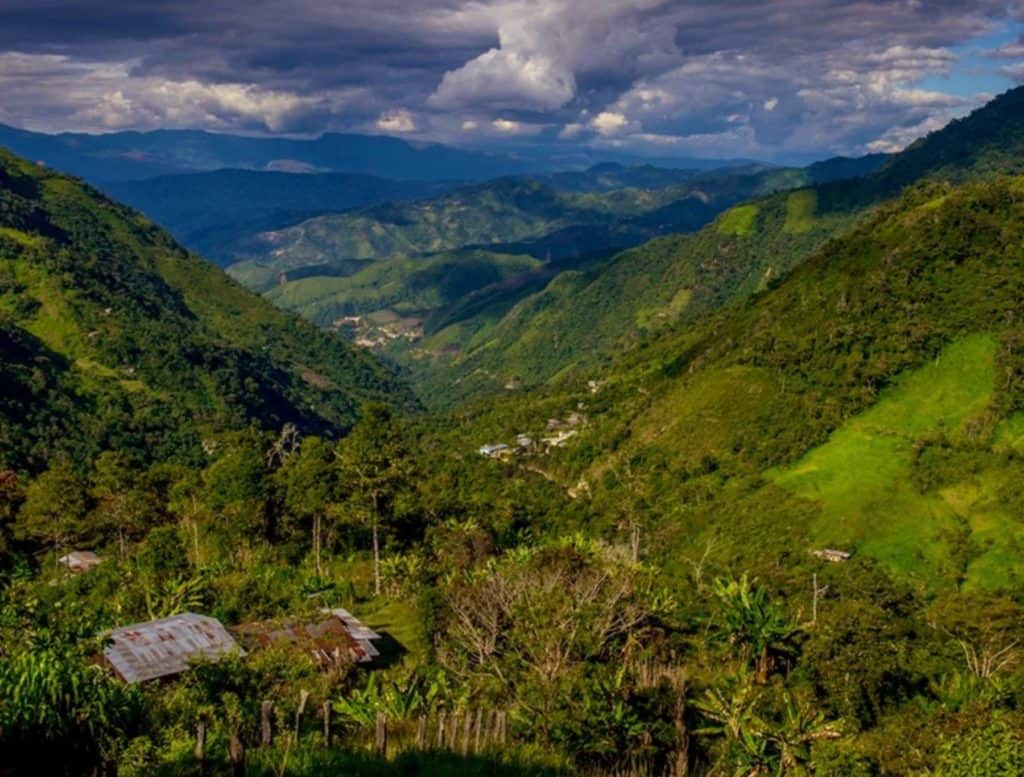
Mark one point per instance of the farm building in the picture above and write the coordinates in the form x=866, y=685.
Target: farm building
x=495, y=451
x=335, y=638
x=79, y=560
x=832, y=555
x=166, y=647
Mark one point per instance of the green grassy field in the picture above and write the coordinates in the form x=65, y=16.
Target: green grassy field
x=862, y=478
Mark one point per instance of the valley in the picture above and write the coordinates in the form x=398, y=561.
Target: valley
x=356, y=454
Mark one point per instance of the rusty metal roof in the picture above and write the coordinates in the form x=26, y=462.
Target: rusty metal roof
x=79, y=560
x=337, y=637
x=160, y=648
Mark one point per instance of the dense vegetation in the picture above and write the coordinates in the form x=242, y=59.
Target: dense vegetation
x=211, y=213
x=640, y=595
x=378, y=261
x=114, y=336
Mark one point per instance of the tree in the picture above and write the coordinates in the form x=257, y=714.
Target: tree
x=55, y=504
x=375, y=464
x=753, y=624
x=535, y=615
x=237, y=487
x=122, y=504
x=309, y=483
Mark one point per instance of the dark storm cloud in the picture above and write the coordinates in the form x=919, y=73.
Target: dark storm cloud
x=739, y=76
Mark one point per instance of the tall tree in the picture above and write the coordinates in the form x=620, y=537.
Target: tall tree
x=308, y=480
x=55, y=504
x=375, y=466
x=122, y=504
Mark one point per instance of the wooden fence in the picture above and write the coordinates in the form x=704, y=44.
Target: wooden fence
x=475, y=731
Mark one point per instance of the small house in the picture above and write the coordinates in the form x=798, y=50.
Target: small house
x=495, y=451
x=524, y=442
x=560, y=439
x=335, y=639
x=79, y=561
x=832, y=555
x=166, y=647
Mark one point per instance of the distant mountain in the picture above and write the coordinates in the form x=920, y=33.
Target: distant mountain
x=120, y=156
x=501, y=239
x=209, y=212
x=842, y=168
x=580, y=320
x=113, y=337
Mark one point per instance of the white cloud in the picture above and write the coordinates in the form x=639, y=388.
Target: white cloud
x=609, y=122
x=506, y=79
x=469, y=125
x=570, y=131
x=400, y=120
x=507, y=126
x=106, y=96
x=770, y=105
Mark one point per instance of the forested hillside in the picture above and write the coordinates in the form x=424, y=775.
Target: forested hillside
x=212, y=212
x=371, y=270
x=644, y=584
x=582, y=318
x=115, y=336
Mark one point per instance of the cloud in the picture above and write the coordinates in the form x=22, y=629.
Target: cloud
x=609, y=122
x=507, y=126
x=503, y=79
x=399, y=120
x=744, y=77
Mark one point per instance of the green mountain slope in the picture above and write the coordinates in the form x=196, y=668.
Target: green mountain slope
x=581, y=319
x=872, y=401
x=512, y=236
x=211, y=212
x=115, y=337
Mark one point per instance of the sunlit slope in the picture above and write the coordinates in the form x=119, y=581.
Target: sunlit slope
x=873, y=401
x=111, y=332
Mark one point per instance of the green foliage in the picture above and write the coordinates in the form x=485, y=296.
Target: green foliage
x=752, y=624
x=994, y=750
x=131, y=344
x=60, y=713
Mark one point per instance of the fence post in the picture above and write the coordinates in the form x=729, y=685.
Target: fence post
x=421, y=733
x=200, y=751
x=440, y=730
x=266, y=727
x=236, y=751
x=478, y=724
x=327, y=724
x=453, y=731
x=467, y=727
x=382, y=735
x=303, y=698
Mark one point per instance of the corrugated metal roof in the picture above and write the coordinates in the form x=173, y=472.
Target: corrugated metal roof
x=359, y=632
x=79, y=560
x=337, y=637
x=160, y=648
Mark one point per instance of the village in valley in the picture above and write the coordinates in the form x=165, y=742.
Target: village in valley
x=558, y=432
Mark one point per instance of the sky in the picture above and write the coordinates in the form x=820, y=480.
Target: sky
x=777, y=80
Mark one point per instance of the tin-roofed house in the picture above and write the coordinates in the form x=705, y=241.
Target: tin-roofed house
x=79, y=561
x=166, y=647
x=334, y=639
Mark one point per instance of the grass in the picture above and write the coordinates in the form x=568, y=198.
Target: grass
x=800, y=209
x=738, y=221
x=862, y=478
x=1009, y=435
